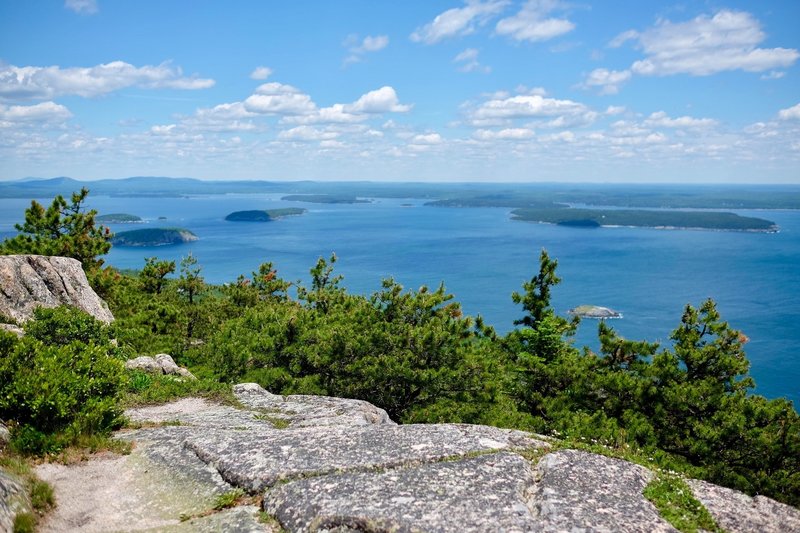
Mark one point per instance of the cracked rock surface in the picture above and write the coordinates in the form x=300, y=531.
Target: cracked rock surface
x=330, y=464
x=30, y=281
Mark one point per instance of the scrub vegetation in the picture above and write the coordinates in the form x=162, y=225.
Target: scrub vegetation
x=687, y=404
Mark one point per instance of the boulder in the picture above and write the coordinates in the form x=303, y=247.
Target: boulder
x=31, y=281
x=160, y=364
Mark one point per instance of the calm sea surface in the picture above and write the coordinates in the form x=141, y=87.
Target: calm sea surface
x=482, y=256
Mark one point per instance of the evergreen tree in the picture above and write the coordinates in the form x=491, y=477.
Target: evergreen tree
x=153, y=275
x=63, y=229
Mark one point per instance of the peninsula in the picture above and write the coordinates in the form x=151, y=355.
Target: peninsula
x=153, y=237
x=660, y=219
x=265, y=215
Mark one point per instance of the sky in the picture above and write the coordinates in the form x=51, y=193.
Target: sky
x=435, y=90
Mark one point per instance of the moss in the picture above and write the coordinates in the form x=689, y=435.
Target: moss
x=228, y=499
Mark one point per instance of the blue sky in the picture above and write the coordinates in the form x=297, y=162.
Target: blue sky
x=478, y=90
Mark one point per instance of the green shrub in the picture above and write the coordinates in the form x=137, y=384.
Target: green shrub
x=59, y=382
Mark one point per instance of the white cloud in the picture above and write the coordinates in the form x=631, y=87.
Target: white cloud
x=82, y=7
x=791, y=113
x=279, y=99
x=458, y=21
x=43, y=112
x=773, y=75
x=532, y=22
x=609, y=81
x=707, y=45
x=373, y=44
x=660, y=119
x=427, y=138
x=261, y=73
x=163, y=130
x=383, y=100
x=507, y=134
x=469, y=62
x=307, y=133
x=524, y=106
x=615, y=110
x=359, y=47
x=39, y=83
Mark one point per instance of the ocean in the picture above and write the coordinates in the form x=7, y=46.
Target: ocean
x=482, y=256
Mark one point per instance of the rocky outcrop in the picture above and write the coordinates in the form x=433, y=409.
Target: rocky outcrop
x=13, y=500
x=160, y=364
x=331, y=464
x=31, y=281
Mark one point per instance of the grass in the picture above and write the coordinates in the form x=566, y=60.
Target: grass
x=675, y=503
x=277, y=423
x=153, y=389
x=228, y=499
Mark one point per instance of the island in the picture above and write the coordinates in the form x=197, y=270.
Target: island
x=153, y=237
x=265, y=215
x=118, y=218
x=594, y=311
x=325, y=199
x=659, y=219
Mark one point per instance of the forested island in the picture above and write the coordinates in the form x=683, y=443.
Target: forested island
x=264, y=215
x=118, y=218
x=324, y=199
x=153, y=237
x=713, y=220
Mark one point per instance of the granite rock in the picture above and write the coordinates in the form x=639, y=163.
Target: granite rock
x=736, y=512
x=31, y=281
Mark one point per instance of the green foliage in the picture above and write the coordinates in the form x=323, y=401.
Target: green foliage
x=64, y=229
x=228, y=499
x=58, y=382
x=24, y=523
x=190, y=283
x=149, y=389
x=153, y=275
x=675, y=503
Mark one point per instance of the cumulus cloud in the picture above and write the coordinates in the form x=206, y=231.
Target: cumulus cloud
x=279, y=99
x=383, y=100
x=458, y=21
x=706, y=45
x=468, y=60
x=427, y=138
x=533, y=22
x=609, y=81
x=526, y=106
x=661, y=119
x=791, y=113
x=47, y=114
x=306, y=133
x=261, y=73
x=41, y=83
x=507, y=134
x=82, y=7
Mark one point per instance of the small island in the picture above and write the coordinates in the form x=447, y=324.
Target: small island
x=266, y=215
x=325, y=199
x=153, y=237
x=118, y=218
x=594, y=311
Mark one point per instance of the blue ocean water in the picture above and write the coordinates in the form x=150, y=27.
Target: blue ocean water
x=483, y=256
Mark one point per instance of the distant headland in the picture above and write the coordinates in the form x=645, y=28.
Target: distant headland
x=325, y=199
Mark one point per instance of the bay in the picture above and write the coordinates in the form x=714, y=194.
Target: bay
x=483, y=256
